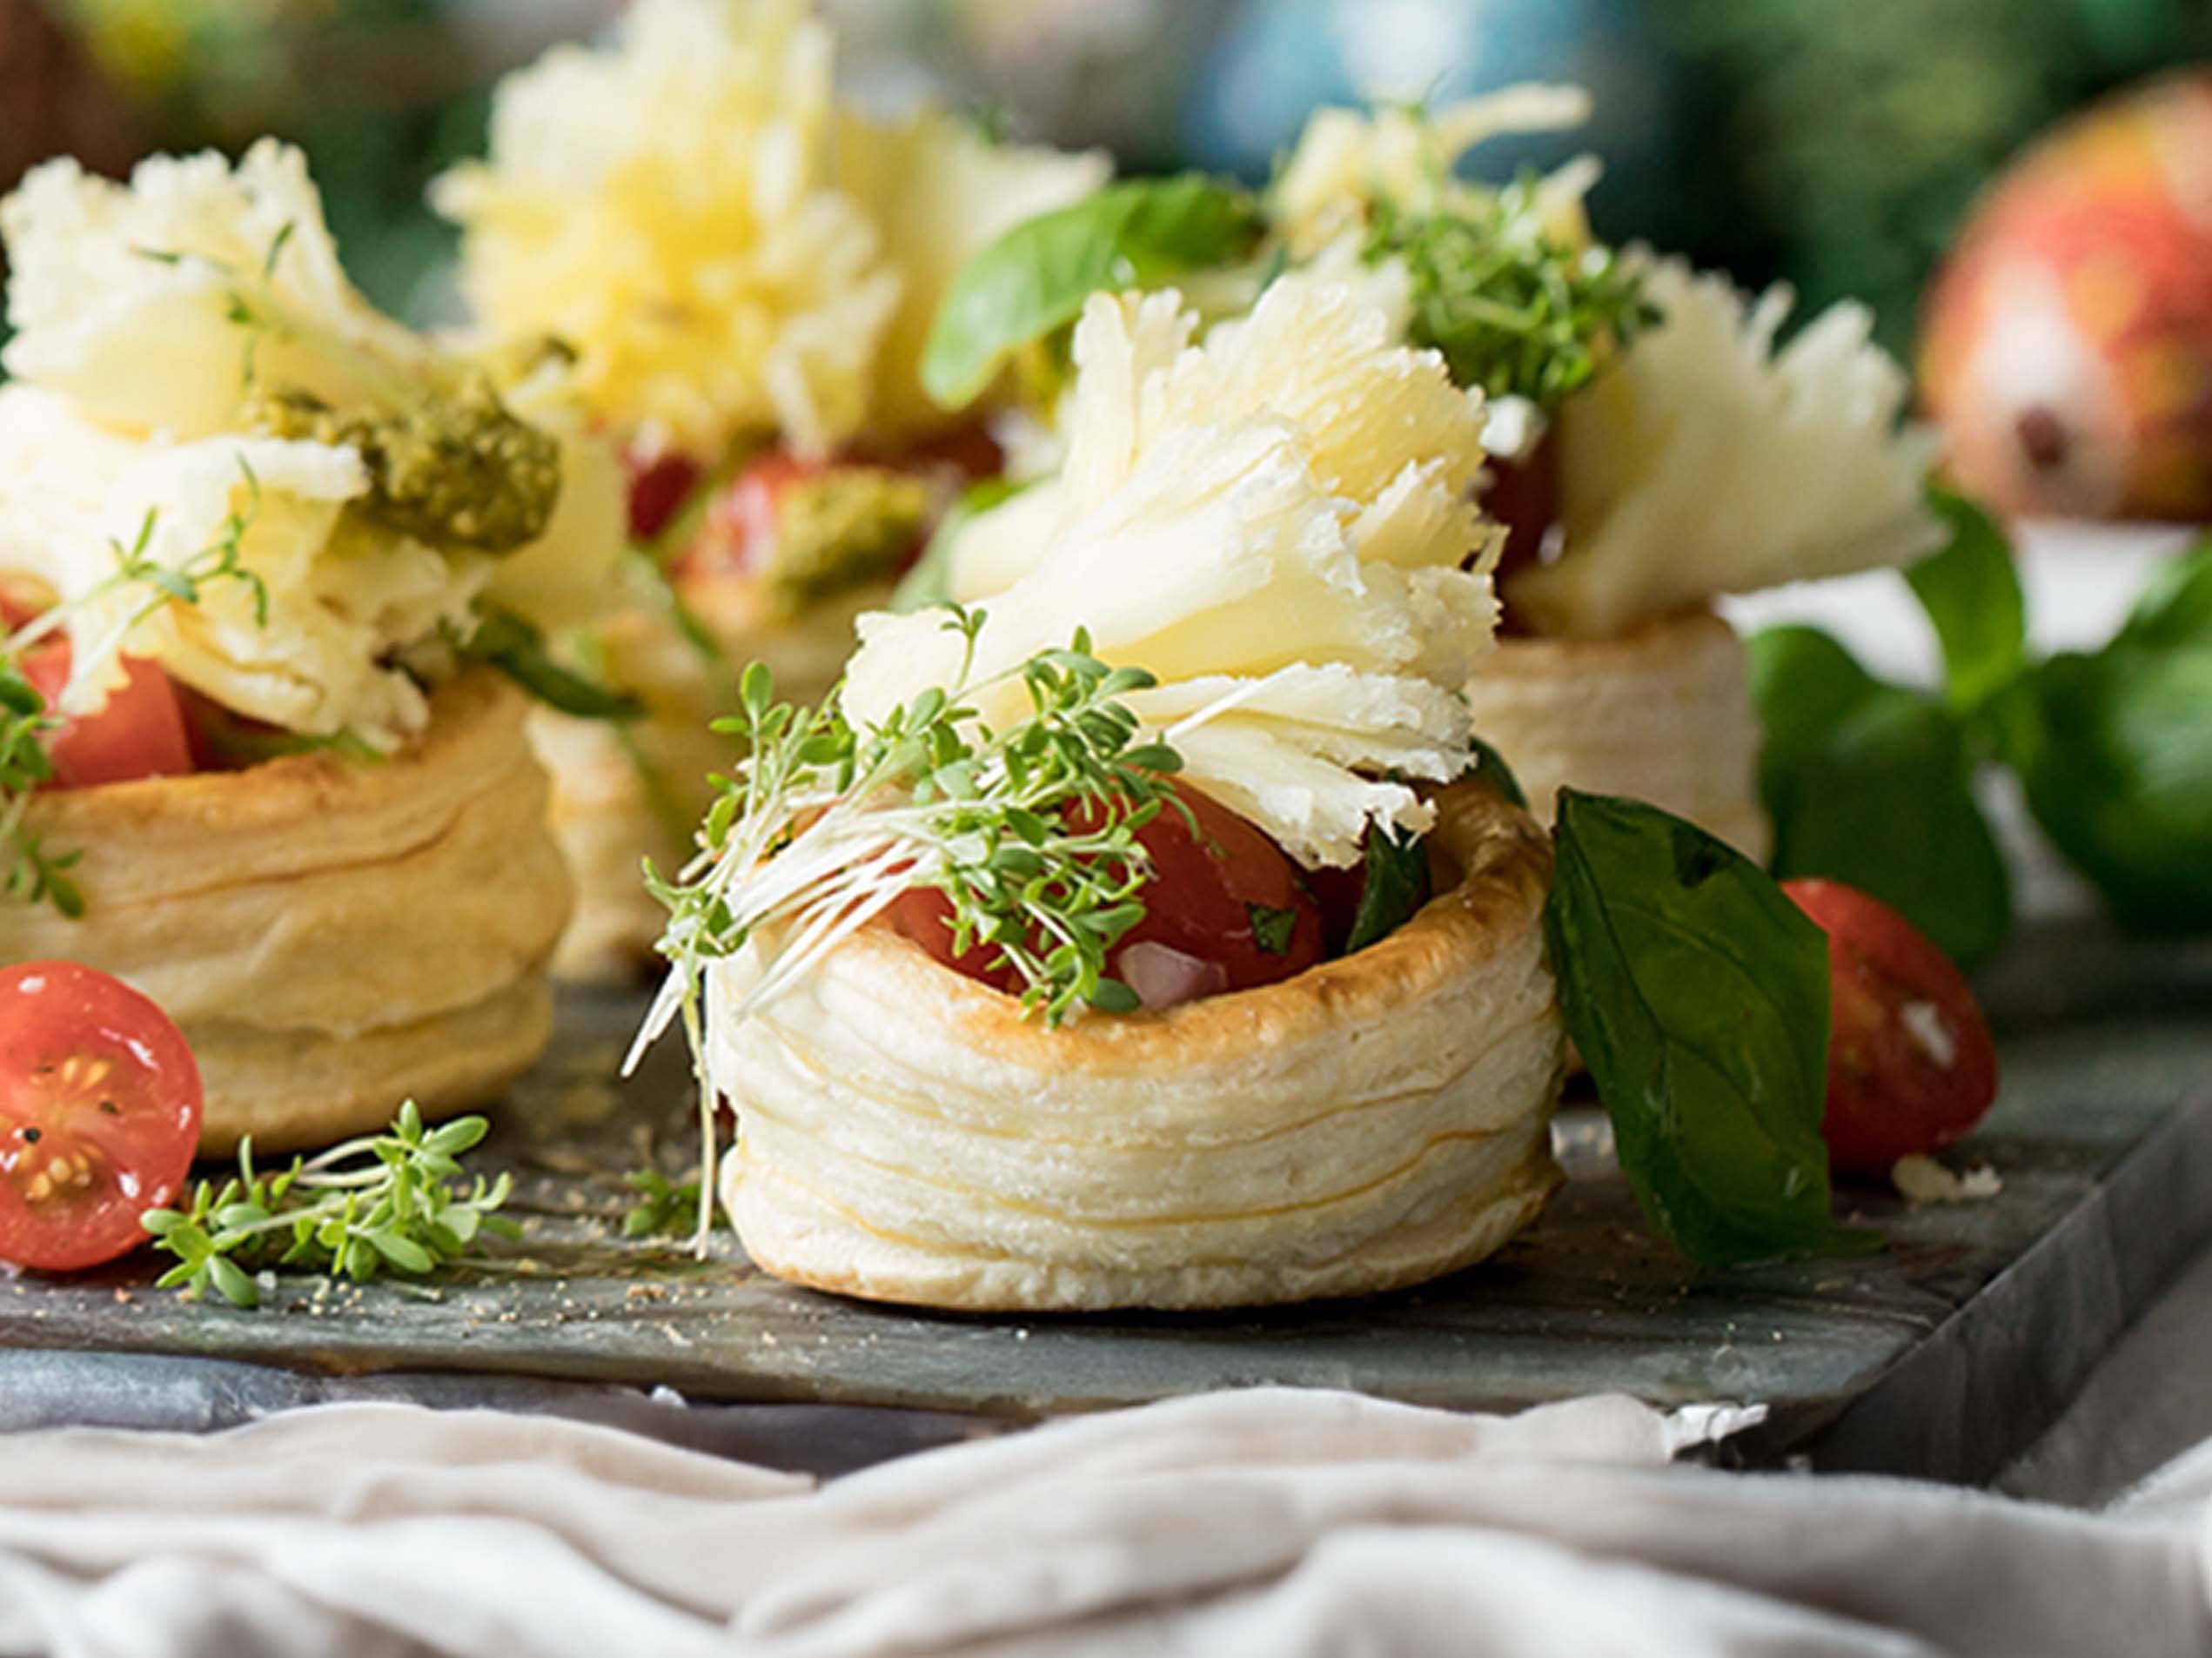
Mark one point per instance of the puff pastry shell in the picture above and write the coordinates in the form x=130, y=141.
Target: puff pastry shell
x=333, y=937
x=619, y=796
x=1378, y=1120
x=1661, y=713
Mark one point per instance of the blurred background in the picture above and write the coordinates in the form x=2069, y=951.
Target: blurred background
x=1838, y=145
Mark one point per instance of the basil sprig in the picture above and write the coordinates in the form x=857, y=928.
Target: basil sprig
x=1033, y=281
x=1872, y=783
x=1698, y=994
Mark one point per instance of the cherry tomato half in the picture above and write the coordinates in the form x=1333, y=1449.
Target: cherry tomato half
x=140, y=732
x=1910, y=1063
x=1224, y=910
x=99, y=1115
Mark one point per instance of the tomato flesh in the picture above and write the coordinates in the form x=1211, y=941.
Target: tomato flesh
x=139, y=733
x=1912, y=1066
x=99, y=1115
x=659, y=485
x=1224, y=910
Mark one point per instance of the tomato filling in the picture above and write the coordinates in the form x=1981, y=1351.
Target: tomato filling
x=806, y=524
x=99, y=1115
x=1224, y=910
x=139, y=733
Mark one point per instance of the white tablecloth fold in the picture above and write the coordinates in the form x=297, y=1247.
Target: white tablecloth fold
x=1279, y=1524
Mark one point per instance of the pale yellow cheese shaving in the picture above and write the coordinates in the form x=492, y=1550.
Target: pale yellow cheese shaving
x=1274, y=523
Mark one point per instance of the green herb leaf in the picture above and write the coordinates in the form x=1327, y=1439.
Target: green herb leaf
x=1873, y=785
x=516, y=649
x=1971, y=594
x=1491, y=768
x=2115, y=750
x=1396, y=887
x=1034, y=279
x=1513, y=312
x=664, y=1208
x=1698, y=994
x=1272, y=929
x=397, y=1199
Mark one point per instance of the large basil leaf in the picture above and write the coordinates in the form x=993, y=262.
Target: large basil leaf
x=1972, y=592
x=2115, y=749
x=1034, y=279
x=1873, y=785
x=1698, y=994
x=2174, y=611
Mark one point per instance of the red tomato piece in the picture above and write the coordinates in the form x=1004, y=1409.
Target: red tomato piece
x=99, y=1115
x=140, y=733
x=1910, y=1063
x=659, y=485
x=1224, y=910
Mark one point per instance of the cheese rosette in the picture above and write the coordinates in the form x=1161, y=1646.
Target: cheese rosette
x=743, y=266
x=1273, y=523
x=222, y=472
x=732, y=255
x=151, y=320
x=1714, y=458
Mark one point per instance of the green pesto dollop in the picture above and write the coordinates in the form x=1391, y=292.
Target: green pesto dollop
x=847, y=525
x=456, y=470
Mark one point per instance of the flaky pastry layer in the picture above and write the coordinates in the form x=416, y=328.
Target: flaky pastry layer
x=1662, y=714
x=904, y=1135
x=332, y=936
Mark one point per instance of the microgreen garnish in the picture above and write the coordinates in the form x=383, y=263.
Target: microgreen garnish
x=1513, y=310
x=397, y=1202
x=29, y=872
x=1030, y=833
x=1272, y=929
x=664, y=1207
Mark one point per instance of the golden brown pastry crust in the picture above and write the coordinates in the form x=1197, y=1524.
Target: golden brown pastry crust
x=333, y=936
x=1662, y=714
x=905, y=1134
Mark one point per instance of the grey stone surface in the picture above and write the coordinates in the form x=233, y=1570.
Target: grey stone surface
x=1944, y=1356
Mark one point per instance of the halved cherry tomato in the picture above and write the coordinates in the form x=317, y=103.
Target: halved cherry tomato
x=1224, y=910
x=1910, y=1063
x=99, y=1115
x=140, y=733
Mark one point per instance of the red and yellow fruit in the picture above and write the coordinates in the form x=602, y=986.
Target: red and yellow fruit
x=2067, y=347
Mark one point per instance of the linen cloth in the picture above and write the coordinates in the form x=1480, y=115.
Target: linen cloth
x=1273, y=1522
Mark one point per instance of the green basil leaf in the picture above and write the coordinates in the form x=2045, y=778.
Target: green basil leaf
x=1034, y=279
x=2176, y=609
x=1971, y=594
x=1272, y=929
x=1698, y=994
x=513, y=645
x=1873, y=785
x=930, y=581
x=1397, y=886
x=2115, y=750
x=1491, y=768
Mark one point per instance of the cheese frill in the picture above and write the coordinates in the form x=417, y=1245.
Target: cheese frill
x=154, y=324
x=1274, y=523
x=730, y=253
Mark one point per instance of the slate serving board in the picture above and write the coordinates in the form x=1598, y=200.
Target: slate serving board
x=1942, y=1357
